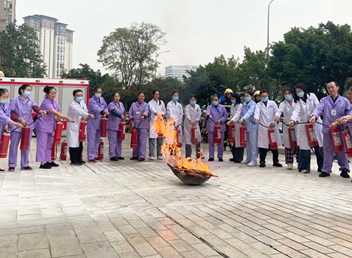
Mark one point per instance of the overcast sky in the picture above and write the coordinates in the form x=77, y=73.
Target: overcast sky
x=197, y=30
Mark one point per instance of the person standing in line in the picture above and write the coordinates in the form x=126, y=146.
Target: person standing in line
x=157, y=111
x=117, y=115
x=98, y=108
x=45, y=127
x=174, y=111
x=138, y=115
x=21, y=110
x=305, y=105
x=286, y=109
x=193, y=114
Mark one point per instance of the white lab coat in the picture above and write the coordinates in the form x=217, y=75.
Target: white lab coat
x=302, y=113
x=75, y=111
x=175, y=111
x=286, y=109
x=155, y=107
x=266, y=115
x=192, y=114
x=235, y=117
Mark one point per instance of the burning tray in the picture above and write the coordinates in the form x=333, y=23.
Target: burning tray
x=190, y=177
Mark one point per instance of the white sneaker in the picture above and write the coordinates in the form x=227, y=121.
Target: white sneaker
x=304, y=171
x=160, y=158
x=151, y=158
x=289, y=166
x=251, y=164
x=245, y=162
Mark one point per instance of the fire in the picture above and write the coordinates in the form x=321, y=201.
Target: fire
x=172, y=153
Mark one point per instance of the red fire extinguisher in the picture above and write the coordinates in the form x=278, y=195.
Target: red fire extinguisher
x=63, y=150
x=230, y=129
x=58, y=133
x=194, y=135
x=53, y=151
x=82, y=131
x=179, y=140
x=134, y=134
x=312, y=139
x=5, y=140
x=26, y=131
x=101, y=151
x=217, y=134
x=347, y=142
x=122, y=131
x=272, y=139
x=336, y=140
x=103, y=127
x=243, y=141
x=292, y=137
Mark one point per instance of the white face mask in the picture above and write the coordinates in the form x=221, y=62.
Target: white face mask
x=97, y=95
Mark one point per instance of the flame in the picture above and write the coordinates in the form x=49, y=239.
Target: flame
x=171, y=149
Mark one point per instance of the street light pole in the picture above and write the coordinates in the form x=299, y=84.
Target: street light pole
x=268, y=29
x=156, y=58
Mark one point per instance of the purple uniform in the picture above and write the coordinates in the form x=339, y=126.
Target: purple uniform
x=115, y=144
x=95, y=107
x=45, y=127
x=136, y=112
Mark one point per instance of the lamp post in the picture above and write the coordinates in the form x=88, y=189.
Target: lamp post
x=268, y=29
x=156, y=58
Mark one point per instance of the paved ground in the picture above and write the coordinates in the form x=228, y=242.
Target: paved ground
x=131, y=209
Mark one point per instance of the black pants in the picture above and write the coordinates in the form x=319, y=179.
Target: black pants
x=304, y=159
x=76, y=154
x=237, y=153
x=189, y=150
x=263, y=152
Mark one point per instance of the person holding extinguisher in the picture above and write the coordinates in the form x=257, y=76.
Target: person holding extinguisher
x=236, y=110
x=174, y=110
x=305, y=105
x=286, y=109
x=217, y=115
x=157, y=111
x=45, y=127
x=193, y=114
x=98, y=108
x=265, y=118
x=138, y=115
x=21, y=111
x=77, y=111
x=117, y=115
x=333, y=107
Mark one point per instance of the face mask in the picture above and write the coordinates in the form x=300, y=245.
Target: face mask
x=97, y=95
x=300, y=94
x=79, y=99
x=27, y=93
x=215, y=103
x=233, y=101
x=265, y=99
x=4, y=101
x=288, y=96
x=193, y=103
x=247, y=99
x=175, y=98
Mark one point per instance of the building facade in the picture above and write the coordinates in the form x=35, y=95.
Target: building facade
x=55, y=43
x=7, y=12
x=178, y=71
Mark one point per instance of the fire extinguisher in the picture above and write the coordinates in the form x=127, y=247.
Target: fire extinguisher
x=231, y=136
x=26, y=131
x=312, y=139
x=347, y=142
x=58, y=133
x=336, y=140
x=292, y=137
x=103, y=127
x=179, y=140
x=5, y=140
x=101, y=150
x=243, y=141
x=194, y=135
x=63, y=150
x=122, y=131
x=134, y=134
x=272, y=139
x=82, y=131
x=53, y=151
x=217, y=134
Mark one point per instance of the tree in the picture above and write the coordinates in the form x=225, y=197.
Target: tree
x=129, y=52
x=19, y=52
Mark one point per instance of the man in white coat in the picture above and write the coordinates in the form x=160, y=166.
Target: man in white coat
x=157, y=111
x=265, y=117
x=77, y=110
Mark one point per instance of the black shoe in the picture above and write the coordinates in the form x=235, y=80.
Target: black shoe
x=221, y=160
x=319, y=170
x=114, y=159
x=262, y=165
x=134, y=158
x=53, y=164
x=232, y=160
x=324, y=174
x=277, y=165
x=344, y=173
x=121, y=158
x=210, y=159
x=45, y=166
x=237, y=161
x=82, y=162
x=76, y=164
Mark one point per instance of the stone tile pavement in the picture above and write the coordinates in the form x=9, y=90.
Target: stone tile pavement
x=131, y=209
